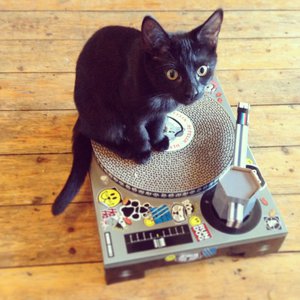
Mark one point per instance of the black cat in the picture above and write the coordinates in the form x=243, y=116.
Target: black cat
x=127, y=81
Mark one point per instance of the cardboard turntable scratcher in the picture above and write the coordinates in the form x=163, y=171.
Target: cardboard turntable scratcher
x=162, y=212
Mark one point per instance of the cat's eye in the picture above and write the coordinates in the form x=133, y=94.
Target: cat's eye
x=172, y=74
x=202, y=71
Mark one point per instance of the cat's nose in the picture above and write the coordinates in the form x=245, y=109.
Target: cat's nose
x=192, y=94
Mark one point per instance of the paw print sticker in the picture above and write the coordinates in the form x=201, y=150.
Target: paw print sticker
x=134, y=210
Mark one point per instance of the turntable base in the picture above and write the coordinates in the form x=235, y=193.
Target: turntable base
x=160, y=213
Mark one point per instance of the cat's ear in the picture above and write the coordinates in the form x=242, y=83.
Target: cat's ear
x=154, y=37
x=208, y=32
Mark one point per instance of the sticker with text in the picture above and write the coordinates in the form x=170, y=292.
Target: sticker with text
x=201, y=232
x=108, y=213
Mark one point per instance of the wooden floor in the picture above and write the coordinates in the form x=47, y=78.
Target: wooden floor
x=42, y=257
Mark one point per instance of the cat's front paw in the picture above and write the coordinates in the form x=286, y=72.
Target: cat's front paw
x=142, y=157
x=162, y=145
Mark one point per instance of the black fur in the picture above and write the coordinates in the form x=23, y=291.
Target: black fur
x=82, y=153
x=123, y=92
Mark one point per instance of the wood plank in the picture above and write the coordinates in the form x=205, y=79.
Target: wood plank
x=290, y=210
x=37, y=179
x=234, y=54
x=43, y=91
x=50, y=131
x=39, y=56
x=34, y=237
x=279, y=166
x=136, y=5
x=271, y=277
x=35, y=91
x=36, y=132
x=81, y=25
x=270, y=126
x=261, y=86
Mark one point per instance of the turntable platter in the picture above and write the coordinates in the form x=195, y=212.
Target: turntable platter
x=202, y=144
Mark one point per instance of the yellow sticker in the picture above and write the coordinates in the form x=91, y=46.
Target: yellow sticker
x=149, y=222
x=272, y=213
x=170, y=258
x=110, y=197
x=249, y=161
x=194, y=221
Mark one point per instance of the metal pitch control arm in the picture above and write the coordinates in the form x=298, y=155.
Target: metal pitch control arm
x=235, y=214
x=241, y=135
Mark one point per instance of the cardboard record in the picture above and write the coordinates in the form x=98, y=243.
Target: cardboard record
x=194, y=167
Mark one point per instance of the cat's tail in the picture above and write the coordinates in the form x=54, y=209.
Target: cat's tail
x=82, y=154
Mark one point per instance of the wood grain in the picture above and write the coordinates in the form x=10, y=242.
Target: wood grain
x=81, y=25
x=234, y=54
x=136, y=5
x=36, y=132
x=47, y=91
x=36, y=91
x=37, y=179
x=270, y=126
x=280, y=167
x=32, y=236
x=259, y=87
x=50, y=131
x=260, y=278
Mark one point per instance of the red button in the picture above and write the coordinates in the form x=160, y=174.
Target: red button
x=127, y=221
x=264, y=201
